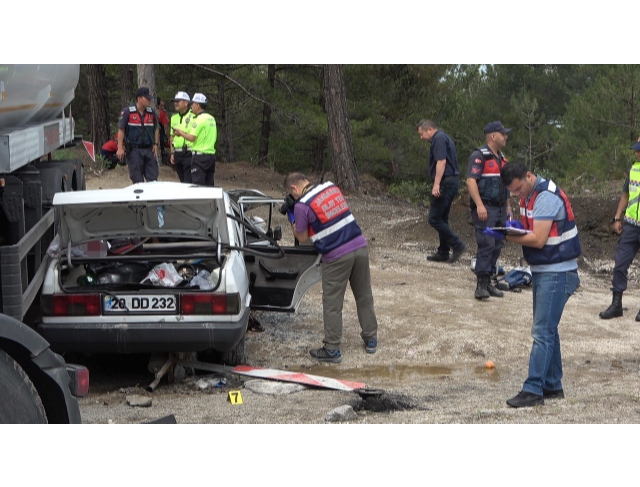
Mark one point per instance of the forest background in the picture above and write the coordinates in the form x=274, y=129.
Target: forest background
x=573, y=123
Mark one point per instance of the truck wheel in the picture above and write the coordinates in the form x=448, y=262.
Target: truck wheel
x=19, y=400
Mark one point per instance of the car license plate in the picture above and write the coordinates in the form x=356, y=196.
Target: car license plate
x=140, y=303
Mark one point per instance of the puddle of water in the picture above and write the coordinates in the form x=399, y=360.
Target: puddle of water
x=489, y=374
x=395, y=374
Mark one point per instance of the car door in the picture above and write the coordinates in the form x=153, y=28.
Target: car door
x=280, y=270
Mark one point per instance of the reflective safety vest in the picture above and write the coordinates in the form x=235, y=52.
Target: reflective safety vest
x=181, y=122
x=203, y=126
x=140, y=131
x=490, y=185
x=335, y=225
x=632, y=215
x=563, y=243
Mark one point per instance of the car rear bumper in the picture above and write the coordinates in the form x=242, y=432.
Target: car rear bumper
x=144, y=337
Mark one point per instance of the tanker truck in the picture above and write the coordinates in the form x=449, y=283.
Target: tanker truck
x=36, y=384
x=34, y=122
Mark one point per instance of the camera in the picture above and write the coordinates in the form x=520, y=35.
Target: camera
x=288, y=204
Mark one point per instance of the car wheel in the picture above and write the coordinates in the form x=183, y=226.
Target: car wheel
x=19, y=400
x=235, y=356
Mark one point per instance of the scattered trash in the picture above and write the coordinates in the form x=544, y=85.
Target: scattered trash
x=164, y=275
x=341, y=413
x=137, y=401
x=275, y=388
x=202, y=280
x=210, y=383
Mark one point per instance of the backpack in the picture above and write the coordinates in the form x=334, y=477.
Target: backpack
x=515, y=279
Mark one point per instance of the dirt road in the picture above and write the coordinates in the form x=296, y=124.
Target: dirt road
x=434, y=336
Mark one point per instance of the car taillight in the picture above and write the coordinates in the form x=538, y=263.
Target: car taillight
x=71, y=305
x=78, y=380
x=209, y=304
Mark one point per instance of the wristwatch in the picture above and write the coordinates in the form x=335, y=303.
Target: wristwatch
x=616, y=219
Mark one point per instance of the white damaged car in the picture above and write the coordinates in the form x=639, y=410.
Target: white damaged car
x=167, y=267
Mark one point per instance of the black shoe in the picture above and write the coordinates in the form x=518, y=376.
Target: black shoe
x=557, y=394
x=494, y=292
x=525, y=400
x=615, y=309
x=324, y=355
x=457, y=253
x=481, y=289
x=438, y=257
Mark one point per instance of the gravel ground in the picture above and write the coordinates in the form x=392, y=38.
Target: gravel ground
x=435, y=339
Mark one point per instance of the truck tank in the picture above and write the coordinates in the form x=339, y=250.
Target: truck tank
x=32, y=93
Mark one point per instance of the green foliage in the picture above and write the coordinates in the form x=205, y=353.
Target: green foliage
x=412, y=191
x=64, y=154
x=575, y=122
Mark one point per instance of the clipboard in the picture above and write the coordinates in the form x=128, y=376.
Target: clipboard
x=510, y=230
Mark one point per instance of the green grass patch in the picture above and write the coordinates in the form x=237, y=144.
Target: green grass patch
x=411, y=191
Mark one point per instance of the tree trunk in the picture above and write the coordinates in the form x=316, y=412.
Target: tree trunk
x=147, y=77
x=126, y=85
x=98, y=104
x=263, y=151
x=319, y=145
x=225, y=149
x=340, y=141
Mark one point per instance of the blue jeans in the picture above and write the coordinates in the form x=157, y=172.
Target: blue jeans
x=551, y=291
x=439, y=216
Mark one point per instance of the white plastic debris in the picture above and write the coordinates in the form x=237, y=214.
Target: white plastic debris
x=164, y=275
x=274, y=388
x=202, y=280
x=341, y=413
x=138, y=401
x=211, y=383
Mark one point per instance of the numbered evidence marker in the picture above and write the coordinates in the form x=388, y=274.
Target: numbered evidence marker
x=235, y=397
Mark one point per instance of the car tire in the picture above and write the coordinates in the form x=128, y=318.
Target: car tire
x=235, y=356
x=19, y=399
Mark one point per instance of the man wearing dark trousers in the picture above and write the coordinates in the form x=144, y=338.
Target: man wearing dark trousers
x=626, y=223
x=490, y=207
x=139, y=135
x=203, y=135
x=444, y=172
x=180, y=147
